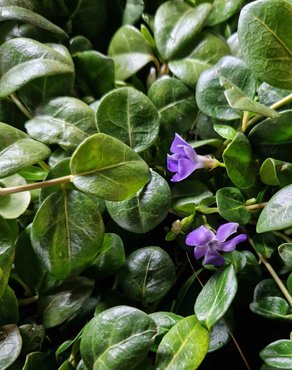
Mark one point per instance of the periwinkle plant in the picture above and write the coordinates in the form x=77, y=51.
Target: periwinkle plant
x=145, y=184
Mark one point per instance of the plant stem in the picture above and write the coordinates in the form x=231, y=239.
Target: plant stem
x=256, y=206
x=283, y=236
x=244, y=121
x=21, y=106
x=35, y=185
x=274, y=275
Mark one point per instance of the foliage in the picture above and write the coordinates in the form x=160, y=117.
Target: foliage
x=136, y=137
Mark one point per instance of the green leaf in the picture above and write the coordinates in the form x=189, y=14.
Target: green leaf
x=275, y=308
x=13, y=205
x=10, y=345
x=219, y=336
x=6, y=253
x=106, y=167
x=274, y=172
x=121, y=330
x=147, y=275
x=176, y=26
x=110, y=258
x=269, y=95
x=17, y=150
x=95, y=72
x=285, y=252
x=277, y=214
x=65, y=121
x=67, y=233
x=184, y=346
x=265, y=244
x=207, y=52
x=147, y=209
x=17, y=13
x=239, y=162
x=129, y=51
x=39, y=360
x=128, y=115
x=289, y=283
x=222, y=10
x=216, y=296
x=8, y=307
x=65, y=301
x=265, y=42
x=210, y=93
x=225, y=131
x=32, y=337
x=278, y=354
x=175, y=102
x=231, y=205
x=133, y=11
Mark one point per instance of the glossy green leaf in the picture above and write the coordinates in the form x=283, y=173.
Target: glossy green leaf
x=67, y=233
x=285, y=252
x=10, y=345
x=278, y=354
x=219, y=336
x=227, y=132
x=17, y=150
x=207, y=52
x=184, y=346
x=8, y=307
x=175, y=102
x=33, y=173
x=289, y=283
x=65, y=121
x=39, y=360
x=176, y=25
x=32, y=336
x=277, y=214
x=147, y=209
x=216, y=296
x=269, y=95
x=269, y=53
x=133, y=11
x=13, y=205
x=222, y=10
x=95, y=72
x=265, y=244
x=268, y=171
x=65, y=301
x=110, y=258
x=239, y=162
x=266, y=288
x=104, y=166
x=130, y=116
x=147, y=275
x=18, y=13
x=210, y=93
x=129, y=51
x=231, y=205
x=272, y=308
x=118, y=338
x=6, y=253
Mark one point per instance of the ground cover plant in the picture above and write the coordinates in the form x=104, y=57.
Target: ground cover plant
x=145, y=184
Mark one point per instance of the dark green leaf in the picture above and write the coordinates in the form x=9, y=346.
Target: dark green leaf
x=65, y=121
x=265, y=42
x=219, y=336
x=239, y=162
x=133, y=11
x=184, y=346
x=147, y=209
x=285, y=252
x=8, y=307
x=39, y=360
x=222, y=10
x=210, y=93
x=32, y=337
x=104, y=166
x=231, y=205
x=277, y=214
x=130, y=116
x=175, y=102
x=266, y=288
x=278, y=354
x=176, y=25
x=67, y=233
x=120, y=330
x=265, y=244
x=216, y=296
x=6, y=253
x=147, y=275
x=10, y=345
x=269, y=95
x=130, y=52
x=227, y=132
x=272, y=308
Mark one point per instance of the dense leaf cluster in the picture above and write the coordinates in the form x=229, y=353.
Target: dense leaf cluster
x=94, y=269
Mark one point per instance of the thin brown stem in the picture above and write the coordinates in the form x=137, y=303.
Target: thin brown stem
x=21, y=106
x=283, y=236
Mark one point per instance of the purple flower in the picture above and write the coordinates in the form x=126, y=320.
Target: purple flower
x=185, y=160
x=207, y=243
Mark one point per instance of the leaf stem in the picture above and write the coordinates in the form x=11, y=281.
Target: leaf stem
x=283, y=236
x=35, y=185
x=256, y=206
x=21, y=106
x=244, y=121
x=274, y=275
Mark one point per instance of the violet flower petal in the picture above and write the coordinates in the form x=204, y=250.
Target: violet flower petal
x=200, y=251
x=172, y=162
x=224, y=231
x=231, y=244
x=178, y=145
x=192, y=155
x=185, y=168
x=212, y=257
x=200, y=237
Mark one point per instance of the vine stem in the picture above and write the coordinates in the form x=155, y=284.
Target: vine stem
x=35, y=185
x=274, y=275
x=21, y=106
x=283, y=236
x=256, y=206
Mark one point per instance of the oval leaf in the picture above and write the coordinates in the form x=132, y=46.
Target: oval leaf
x=216, y=296
x=184, y=346
x=10, y=345
x=104, y=166
x=118, y=338
x=7, y=239
x=278, y=354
